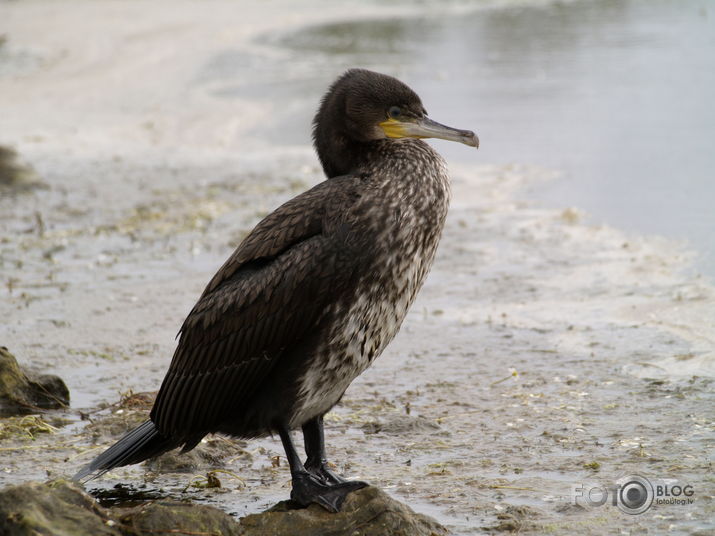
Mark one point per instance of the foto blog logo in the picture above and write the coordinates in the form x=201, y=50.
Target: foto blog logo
x=633, y=494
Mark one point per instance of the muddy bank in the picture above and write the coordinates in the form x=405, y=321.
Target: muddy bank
x=542, y=354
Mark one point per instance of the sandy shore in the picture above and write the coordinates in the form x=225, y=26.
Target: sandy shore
x=542, y=354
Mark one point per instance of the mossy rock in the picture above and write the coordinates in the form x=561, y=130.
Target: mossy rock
x=14, y=174
x=25, y=392
x=183, y=518
x=62, y=508
x=55, y=509
x=366, y=512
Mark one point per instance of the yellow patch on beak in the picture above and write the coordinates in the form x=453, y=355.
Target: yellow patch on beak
x=424, y=127
x=393, y=128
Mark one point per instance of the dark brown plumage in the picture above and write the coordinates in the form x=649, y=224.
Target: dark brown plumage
x=314, y=293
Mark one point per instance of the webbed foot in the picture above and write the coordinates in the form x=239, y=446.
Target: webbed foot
x=311, y=488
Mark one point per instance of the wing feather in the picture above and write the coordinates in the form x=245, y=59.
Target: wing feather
x=267, y=295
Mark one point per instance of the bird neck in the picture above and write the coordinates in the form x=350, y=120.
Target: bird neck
x=340, y=155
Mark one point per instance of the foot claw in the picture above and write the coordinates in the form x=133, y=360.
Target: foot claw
x=324, y=474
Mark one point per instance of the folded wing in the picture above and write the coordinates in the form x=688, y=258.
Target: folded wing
x=275, y=288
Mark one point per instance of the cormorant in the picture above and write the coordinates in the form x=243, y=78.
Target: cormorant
x=313, y=294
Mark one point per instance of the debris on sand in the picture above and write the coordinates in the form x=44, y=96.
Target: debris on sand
x=114, y=420
x=23, y=392
x=514, y=519
x=60, y=507
x=26, y=427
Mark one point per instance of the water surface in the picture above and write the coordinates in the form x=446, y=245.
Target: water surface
x=616, y=95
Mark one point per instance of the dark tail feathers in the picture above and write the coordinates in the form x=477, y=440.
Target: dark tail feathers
x=142, y=443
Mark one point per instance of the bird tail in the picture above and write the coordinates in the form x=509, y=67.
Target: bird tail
x=142, y=443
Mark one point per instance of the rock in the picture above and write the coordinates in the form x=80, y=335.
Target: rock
x=55, y=509
x=182, y=518
x=208, y=454
x=14, y=174
x=366, y=512
x=62, y=508
x=25, y=392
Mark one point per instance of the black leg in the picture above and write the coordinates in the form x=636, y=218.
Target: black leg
x=317, y=463
x=309, y=488
x=296, y=466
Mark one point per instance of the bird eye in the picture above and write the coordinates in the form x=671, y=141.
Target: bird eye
x=394, y=112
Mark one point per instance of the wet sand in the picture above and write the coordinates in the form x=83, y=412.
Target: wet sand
x=542, y=353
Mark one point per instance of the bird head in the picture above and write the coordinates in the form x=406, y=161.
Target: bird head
x=363, y=106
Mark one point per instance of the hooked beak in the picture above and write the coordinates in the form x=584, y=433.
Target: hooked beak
x=424, y=127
